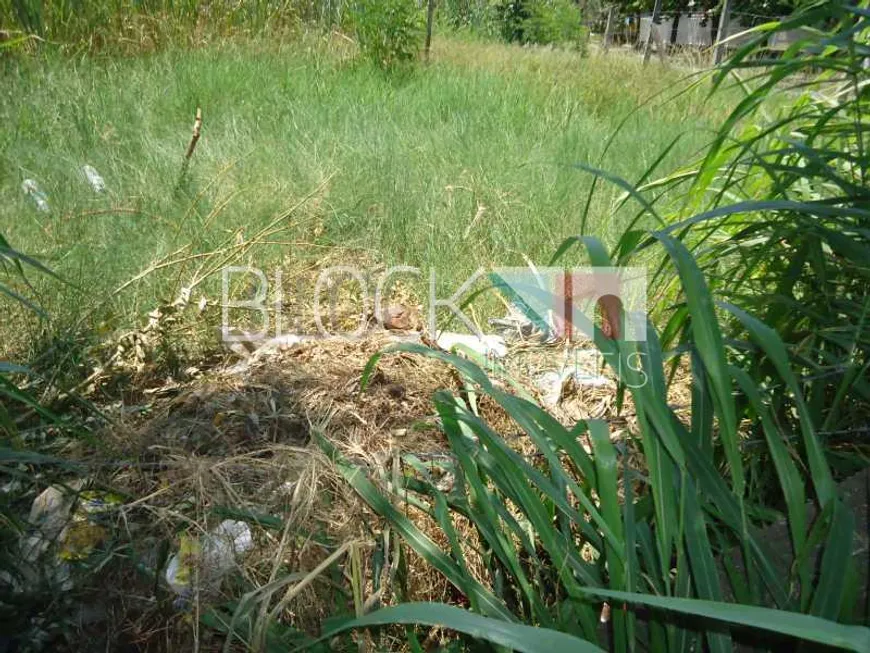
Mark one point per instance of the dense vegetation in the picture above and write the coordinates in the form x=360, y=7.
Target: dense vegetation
x=385, y=198
x=773, y=230
x=154, y=22
x=758, y=251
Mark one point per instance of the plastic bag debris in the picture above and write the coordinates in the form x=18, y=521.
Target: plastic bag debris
x=31, y=188
x=277, y=344
x=49, y=515
x=515, y=324
x=81, y=537
x=64, y=528
x=550, y=384
x=214, y=554
x=486, y=346
x=586, y=368
x=94, y=178
x=582, y=368
x=67, y=519
x=84, y=532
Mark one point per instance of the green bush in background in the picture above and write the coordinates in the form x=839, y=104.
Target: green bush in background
x=554, y=23
x=389, y=32
x=474, y=15
x=541, y=22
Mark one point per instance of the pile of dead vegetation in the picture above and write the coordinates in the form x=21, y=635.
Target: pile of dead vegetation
x=208, y=503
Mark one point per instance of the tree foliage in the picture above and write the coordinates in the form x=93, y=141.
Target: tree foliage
x=541, y=22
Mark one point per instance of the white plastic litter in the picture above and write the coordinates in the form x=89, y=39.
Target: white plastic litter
x=488, y=345
x=215, y=554
x=585, y=368
x=550, y=385
x=58, y=534
x=30, y=187
x=49, y=515
x=515, y=324
x=94, y=178
x=278, y=344
x=582, y=366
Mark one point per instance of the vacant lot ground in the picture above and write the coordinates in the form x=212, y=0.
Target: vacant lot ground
x=163, y=491
x=463, y=163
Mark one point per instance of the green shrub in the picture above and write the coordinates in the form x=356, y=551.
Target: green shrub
x=389, y=32
x=555, y=22
x=476, y=16
x=511, y=17
x=541, y=22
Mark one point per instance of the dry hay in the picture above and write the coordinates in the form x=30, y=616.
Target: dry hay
x=237, y=443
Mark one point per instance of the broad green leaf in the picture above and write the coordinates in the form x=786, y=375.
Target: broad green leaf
x=517, y=637
x=704, y=572
x=789, y=478
x=606, y=473
x=707, y=338
x=772, y=345
x=837, y=559
x=814, y=629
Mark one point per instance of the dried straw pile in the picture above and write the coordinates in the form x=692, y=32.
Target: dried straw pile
x=237, y=443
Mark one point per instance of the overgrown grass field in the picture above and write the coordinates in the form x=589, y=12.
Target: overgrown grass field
x=711, y=479
x=463, y=163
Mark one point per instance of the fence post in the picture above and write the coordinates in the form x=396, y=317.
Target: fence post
x=722, y=32
x=609, y=28
x=657, y=9
x=430, y=15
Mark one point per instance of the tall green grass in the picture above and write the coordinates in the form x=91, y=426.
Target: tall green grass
x=410, y=161
x=129, y=25
x=682, y=537
x=391, y=170
x=777, y=213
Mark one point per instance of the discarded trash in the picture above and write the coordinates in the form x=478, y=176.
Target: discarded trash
x=214, y=555
x=398, y=317
x=586, y=366
x=279, y=343
x=30, y=187
x=49, y=515
x=94, y=179
x=550, y=385
x=487, y=345
x=582, y=368
x=68, y=520
x=80, y=538
x=515, y=324
x=256, y=351
x=64, y=528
